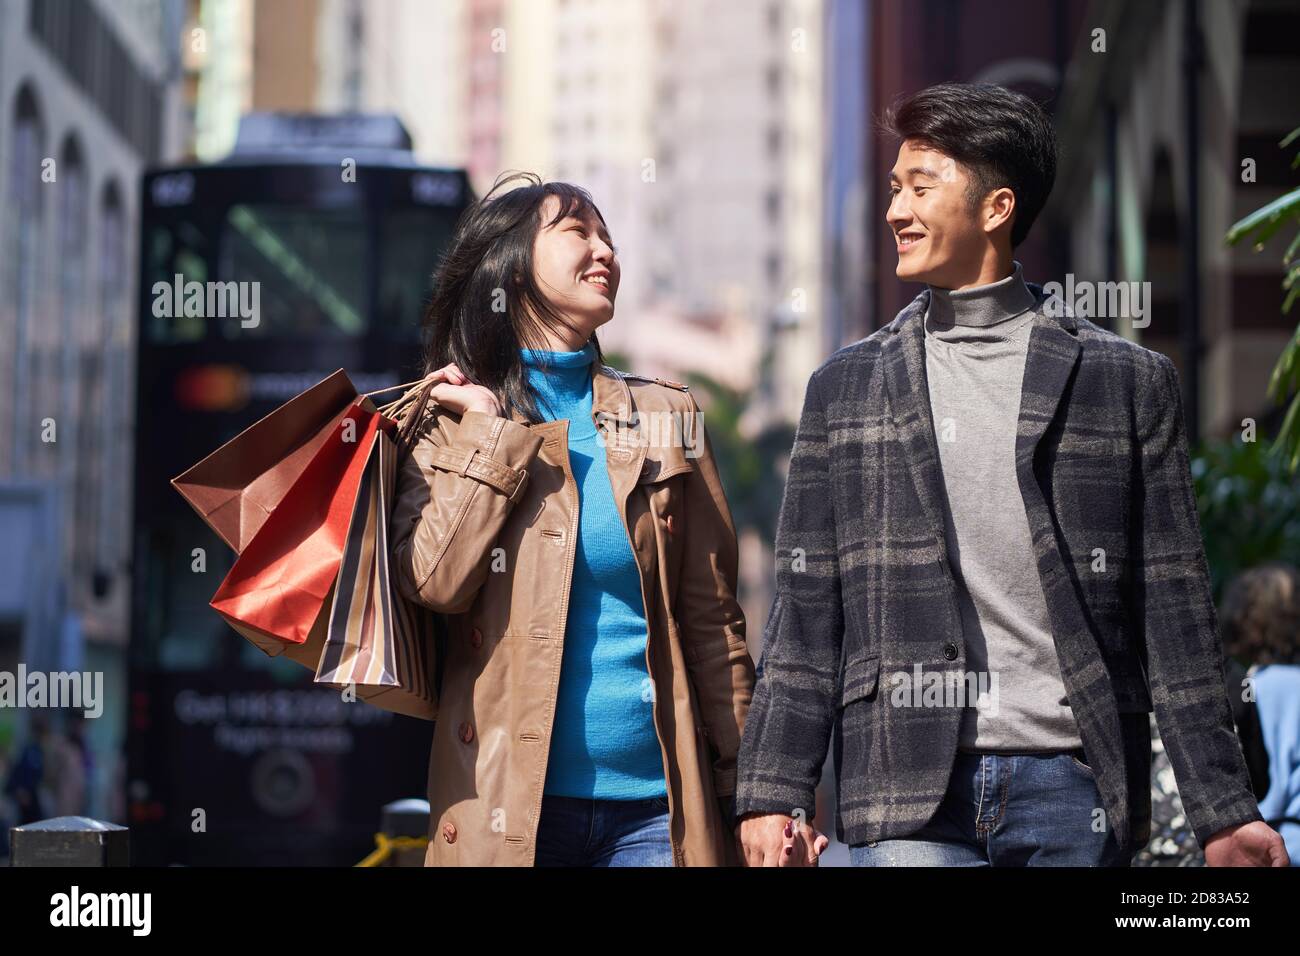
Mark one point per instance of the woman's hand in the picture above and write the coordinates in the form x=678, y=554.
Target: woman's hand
x=458, y=394
x=774, y=839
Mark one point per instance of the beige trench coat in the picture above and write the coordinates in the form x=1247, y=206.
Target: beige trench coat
x=484, y=530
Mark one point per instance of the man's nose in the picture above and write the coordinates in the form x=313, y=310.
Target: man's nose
x=898, y=212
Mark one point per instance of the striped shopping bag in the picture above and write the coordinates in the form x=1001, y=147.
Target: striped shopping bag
x=377, y=640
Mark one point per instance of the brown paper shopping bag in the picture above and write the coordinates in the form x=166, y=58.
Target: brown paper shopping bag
x=236, y=488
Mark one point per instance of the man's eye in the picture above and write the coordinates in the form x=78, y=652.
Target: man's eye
x=919, y=190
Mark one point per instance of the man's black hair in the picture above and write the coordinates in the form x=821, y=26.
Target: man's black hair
x=1003, y=138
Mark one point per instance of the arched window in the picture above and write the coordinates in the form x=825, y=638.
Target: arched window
x=23, y=244
x=61, y=371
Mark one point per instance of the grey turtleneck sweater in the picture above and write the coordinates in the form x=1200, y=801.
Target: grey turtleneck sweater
x=976, y=340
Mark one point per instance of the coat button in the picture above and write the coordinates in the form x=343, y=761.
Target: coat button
x=672, y=527
x=476, y=638
x=466, y=732
x=449, y=833
x=950, y=651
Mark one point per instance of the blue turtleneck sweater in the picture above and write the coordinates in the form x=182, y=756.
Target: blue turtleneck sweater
x=603, y=741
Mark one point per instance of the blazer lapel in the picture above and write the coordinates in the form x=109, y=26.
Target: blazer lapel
x=1053, y=353
x=903, y=357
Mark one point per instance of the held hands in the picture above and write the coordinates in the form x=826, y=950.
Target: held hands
x=1248, y=844
x=774, y=839
x=456, y=393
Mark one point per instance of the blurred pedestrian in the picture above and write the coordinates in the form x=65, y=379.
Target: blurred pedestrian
x=26, y=784
x=1261, y=623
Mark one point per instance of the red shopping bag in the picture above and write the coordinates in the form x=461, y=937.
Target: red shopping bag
x=275, y=593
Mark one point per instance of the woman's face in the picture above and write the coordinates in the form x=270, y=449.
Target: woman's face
x=575, y=267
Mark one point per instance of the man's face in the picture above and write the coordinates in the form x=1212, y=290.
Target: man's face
x=936, y=228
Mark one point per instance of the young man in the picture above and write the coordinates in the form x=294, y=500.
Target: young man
x=989, y=563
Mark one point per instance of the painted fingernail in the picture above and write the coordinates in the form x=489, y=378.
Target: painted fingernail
x=788, y=831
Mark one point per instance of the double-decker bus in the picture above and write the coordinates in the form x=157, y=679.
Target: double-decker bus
x=332, y=229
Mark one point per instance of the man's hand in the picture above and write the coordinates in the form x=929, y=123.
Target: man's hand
x=1247, y=844
x=774, y=839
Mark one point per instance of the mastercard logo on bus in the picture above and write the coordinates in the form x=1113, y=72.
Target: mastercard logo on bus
x=213, y=388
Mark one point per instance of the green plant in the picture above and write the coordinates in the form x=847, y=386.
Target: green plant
x=1249, y=507
x=1260, y=226
x=750, y=467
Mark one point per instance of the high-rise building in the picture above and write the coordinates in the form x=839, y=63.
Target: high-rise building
x=89, y=96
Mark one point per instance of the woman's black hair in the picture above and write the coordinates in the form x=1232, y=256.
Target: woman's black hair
x=486, y=302
x=1002, y=137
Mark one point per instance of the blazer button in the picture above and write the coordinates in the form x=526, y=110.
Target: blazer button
x=449, y=833
x=950, y=651
x=476, y=638
x=466, y=732
x=672, y=527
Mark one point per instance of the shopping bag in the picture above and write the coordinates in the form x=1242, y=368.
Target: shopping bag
x=236, y=488
x=283, y=577
x=376, y=640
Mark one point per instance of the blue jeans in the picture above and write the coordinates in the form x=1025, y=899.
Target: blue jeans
x=574, y=831
x=1008, y=810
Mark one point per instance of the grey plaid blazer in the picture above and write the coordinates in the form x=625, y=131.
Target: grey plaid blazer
x=864, y=586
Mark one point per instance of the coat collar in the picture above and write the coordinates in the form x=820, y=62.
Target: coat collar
x=1052, y=354
x=612, y=411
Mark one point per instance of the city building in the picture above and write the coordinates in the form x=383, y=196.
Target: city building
x=89, y=96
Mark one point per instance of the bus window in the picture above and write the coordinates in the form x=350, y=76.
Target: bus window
x=412, y=241
x=171, y=248
x=310, y=266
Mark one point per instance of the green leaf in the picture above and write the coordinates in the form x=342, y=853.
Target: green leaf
x=1267, y=218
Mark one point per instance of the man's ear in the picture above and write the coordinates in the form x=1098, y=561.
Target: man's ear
x=999, y=208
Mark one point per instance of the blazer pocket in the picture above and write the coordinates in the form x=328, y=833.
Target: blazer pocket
x=861, y=674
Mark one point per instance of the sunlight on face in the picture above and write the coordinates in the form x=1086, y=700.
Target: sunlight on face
x=936, y=228
x=576, y=266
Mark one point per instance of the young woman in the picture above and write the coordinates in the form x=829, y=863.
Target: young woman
x=568, y=521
